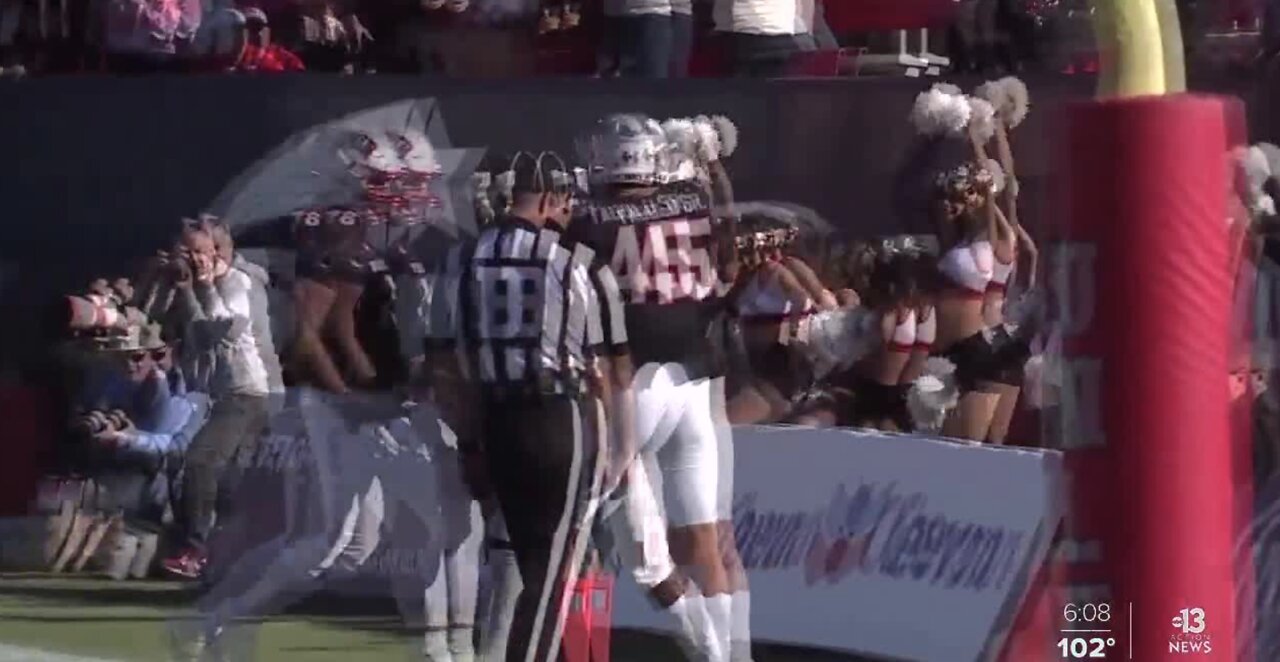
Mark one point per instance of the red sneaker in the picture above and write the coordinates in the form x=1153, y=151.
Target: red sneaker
x=189, y=564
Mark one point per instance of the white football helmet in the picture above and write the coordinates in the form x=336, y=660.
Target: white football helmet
x=372, y=159
x=624, y=149
x=420, y=165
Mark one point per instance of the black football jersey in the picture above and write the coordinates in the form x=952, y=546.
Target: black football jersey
x=661, y=250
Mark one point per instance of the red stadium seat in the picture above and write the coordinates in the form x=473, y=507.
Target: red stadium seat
x=29, y=436
x=846, y=16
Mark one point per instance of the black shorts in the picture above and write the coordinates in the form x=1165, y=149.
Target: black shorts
x=875, y=402
x=780, y=367
x=995, y=358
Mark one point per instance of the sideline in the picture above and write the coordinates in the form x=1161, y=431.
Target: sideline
x=19, y=654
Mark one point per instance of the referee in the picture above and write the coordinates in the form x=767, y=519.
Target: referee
x=523, y=326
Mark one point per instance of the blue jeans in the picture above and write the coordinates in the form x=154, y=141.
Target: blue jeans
x=681, y=44
x=648, y=45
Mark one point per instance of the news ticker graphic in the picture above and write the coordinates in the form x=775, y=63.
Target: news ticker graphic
x=1094, y=632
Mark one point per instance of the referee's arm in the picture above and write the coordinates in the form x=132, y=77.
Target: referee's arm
x=612, y=376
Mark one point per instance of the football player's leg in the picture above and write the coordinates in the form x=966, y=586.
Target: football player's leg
x=690, y=468
x=740, y=630
x=639, y=531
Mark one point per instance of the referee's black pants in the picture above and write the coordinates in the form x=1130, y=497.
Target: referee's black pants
x=545, y=469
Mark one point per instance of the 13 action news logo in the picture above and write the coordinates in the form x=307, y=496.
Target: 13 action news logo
x=1190, y=636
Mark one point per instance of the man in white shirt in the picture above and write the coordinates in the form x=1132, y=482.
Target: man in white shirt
x=764, y=35
x=235, y=362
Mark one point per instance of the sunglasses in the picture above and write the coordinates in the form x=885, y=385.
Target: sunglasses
x=155, y=354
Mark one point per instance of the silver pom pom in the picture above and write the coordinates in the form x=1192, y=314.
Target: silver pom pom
x=941, y=110
x=728, y=135
x=839, y=338
x=1018, y=102
x=982, y=120
x=933, y=395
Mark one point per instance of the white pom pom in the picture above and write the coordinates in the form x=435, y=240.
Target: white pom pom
x=1257, y=167
x=682, y=133
x=982, y=119
x=948, y=88
x=1018, y=101
x=708, y=140
x=1272, y=154
x=1263, y=206
x=1250, y=173
x=933, y=395
x=728, y=135
x=938, y=111
x=993, y=93
x=992, y=166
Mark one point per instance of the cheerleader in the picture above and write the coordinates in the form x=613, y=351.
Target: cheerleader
x=771, y=298
x=1007, y=252
x=880, y=380
x=846, y=271
x=970, y=226
x=998, y=107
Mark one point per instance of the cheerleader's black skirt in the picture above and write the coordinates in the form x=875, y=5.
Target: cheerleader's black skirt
x=989, y=357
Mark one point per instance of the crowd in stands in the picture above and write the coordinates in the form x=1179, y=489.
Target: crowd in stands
x=505, y=38
x=486, y=38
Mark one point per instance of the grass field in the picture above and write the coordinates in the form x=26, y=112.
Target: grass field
x=119, y=621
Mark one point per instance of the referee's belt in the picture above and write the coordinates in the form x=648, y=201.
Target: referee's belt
x=544, y=384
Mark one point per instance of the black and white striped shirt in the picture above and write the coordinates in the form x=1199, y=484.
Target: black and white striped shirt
x=525, y=307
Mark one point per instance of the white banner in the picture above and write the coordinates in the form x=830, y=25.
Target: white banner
x=906, y=547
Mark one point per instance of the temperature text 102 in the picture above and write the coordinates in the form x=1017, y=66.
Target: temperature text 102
x=1087, y=612
x=1079, y=648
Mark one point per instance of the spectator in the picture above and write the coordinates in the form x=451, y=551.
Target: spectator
x=764, y=35
x=330, y=43
x=260, y=53
x=221, y=39
x=143, y=36
x=476, y=39
x=226, y=304
x=136, y=456
x=648, y=38
x=10, y=22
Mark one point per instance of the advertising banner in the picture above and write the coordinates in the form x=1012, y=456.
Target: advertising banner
x=882, y=544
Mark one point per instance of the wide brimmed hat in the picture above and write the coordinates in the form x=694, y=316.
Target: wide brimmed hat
x=134, y=338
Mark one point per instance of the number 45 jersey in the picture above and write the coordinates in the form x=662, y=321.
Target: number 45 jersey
x=660, y=248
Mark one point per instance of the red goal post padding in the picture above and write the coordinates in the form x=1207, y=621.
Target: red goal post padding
x=1145, y=297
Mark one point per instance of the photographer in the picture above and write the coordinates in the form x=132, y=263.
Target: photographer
x=228, y=337
x=135, y=452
